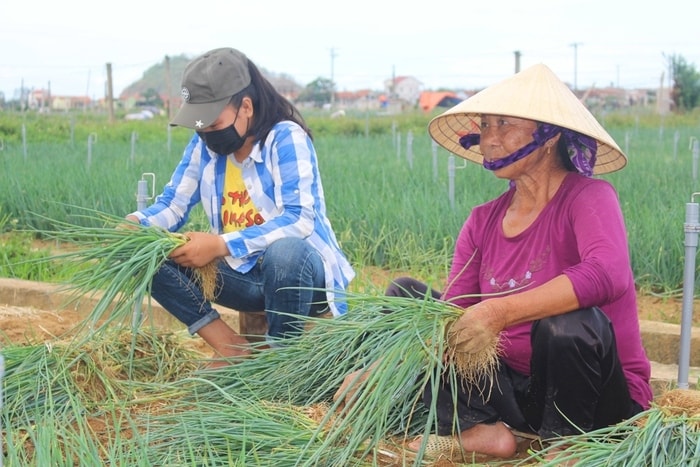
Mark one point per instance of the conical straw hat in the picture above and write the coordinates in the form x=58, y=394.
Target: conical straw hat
x=535, y=94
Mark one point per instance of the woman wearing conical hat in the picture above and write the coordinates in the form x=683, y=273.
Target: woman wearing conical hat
x=544, y=268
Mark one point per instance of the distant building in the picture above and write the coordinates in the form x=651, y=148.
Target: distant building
x=42, y=100
x=614, y=98
x=364, y=99
x=404, y=88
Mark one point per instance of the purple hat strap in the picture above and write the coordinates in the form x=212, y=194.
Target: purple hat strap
x=581, y=148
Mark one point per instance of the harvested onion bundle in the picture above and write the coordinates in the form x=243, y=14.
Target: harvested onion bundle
x=115, y=259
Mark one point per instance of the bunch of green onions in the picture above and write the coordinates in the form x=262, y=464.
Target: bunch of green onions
x=114, y=259
x=68, y=404
x=666, y=434
x=402, y=339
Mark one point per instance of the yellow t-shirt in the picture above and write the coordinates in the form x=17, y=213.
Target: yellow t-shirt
x=237, y=209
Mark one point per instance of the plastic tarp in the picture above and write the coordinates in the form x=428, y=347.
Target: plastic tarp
x=430, y=99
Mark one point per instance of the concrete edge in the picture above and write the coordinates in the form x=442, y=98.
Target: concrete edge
x=56, y=297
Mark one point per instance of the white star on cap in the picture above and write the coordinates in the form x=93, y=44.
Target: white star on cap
x=198, y=124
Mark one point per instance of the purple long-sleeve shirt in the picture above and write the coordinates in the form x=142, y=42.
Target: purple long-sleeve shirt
x=580, y=233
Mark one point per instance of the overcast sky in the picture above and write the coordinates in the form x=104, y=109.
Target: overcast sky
x=458, y=44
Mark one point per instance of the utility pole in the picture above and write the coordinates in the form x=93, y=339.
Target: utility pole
x=110, y=94
x=168, y=94
x=575, y=46
x=23, y=100
x=333, y=55
x=517, y=61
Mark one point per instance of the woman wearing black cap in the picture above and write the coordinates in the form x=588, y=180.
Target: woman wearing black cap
x=252, y=166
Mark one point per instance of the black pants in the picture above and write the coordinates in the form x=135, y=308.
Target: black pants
x=576, y=382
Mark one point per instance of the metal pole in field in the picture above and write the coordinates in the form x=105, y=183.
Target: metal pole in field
x=434, y=146
x=676, y=138
x=142, y=197
x=695, y=147
x=398, y=145
x=141, y=194
x=452, y=168
x=24, y=141
x=691, y=227
x=451, y=180
x=409, y=148
x=134, y=137
x=92, y=138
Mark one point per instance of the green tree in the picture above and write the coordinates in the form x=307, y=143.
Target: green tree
x=318, y=91
x=151, y=97
x=686, y=83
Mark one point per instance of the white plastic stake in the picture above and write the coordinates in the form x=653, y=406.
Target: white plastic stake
x=134, y=137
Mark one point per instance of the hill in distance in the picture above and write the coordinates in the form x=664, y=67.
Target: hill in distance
x=155, y=79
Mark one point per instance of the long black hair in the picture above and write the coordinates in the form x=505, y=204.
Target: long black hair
x=270, y=106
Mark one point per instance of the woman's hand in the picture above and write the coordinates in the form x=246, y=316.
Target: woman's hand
x=347, y=391
x=130, y=224
x=200, y=250
x=475, y=330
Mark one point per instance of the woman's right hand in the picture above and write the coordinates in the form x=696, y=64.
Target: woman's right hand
x=477, y=329
x=347, y=392
x=131, y=220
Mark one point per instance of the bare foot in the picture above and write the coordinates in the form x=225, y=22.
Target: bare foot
x=228, y=345
x=415, y=444
x=493, y=440
x=557, y=454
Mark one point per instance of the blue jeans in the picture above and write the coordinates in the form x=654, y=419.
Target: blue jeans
x=288, y=277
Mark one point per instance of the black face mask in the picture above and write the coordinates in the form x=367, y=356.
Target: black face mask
x=224, y=141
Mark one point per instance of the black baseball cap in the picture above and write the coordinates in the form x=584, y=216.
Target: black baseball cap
x=208, y=83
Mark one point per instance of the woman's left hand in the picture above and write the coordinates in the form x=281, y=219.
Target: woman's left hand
x=200, y=250
x=475, y=330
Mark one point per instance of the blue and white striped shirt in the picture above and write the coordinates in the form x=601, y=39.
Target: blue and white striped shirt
x=284, y=183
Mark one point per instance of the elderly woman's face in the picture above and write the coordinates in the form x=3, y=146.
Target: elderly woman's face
x=502, y=135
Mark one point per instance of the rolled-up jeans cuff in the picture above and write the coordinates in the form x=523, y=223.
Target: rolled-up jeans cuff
x=203, y=321
x=273, y=342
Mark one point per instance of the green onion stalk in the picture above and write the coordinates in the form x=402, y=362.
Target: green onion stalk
x=404, y=342
x=113, y=259
x=66, y=404
x=234, y=430
x=653, y=438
